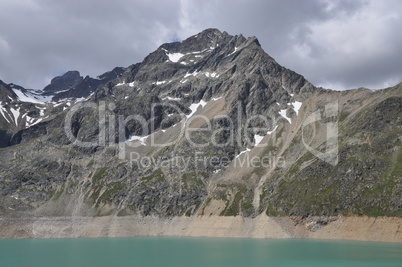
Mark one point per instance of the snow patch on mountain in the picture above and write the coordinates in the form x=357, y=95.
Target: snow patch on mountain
x=235, y=50
x=175, y=57
x=242, y=152
x=31, y=98
x=270, y=132
x=171, y=98
x=296, y=106
x=193, y=107
x=282, y=112
x=141, y=139
x=258, y=139
x=2, y=110
x=195, y=73
x=36, y=122
x=159, y=82
x=16, y=114
x=212, y=75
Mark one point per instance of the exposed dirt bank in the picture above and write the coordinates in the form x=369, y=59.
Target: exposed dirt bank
x=351, y=228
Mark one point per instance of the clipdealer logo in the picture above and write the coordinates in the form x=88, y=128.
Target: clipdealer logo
x=238, y=135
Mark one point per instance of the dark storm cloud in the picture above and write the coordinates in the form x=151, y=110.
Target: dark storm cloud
x=40, y=39
x=339, y=44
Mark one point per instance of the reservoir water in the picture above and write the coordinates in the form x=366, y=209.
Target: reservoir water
x=165, y=251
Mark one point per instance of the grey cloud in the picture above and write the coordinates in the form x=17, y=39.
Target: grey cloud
x=281, y=26
x=48, y=38
x=341, y=43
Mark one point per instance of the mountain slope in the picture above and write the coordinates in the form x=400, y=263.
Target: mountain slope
x=211, y=125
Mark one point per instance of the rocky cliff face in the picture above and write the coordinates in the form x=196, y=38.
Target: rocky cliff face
x=211, y=125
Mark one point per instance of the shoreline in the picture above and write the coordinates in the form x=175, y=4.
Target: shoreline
x=377, y=229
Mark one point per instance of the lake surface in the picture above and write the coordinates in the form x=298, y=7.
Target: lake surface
x=164, y=251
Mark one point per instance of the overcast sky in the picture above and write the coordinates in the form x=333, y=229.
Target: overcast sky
x=334, y=44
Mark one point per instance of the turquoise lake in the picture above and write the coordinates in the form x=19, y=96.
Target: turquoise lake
x=164, y=251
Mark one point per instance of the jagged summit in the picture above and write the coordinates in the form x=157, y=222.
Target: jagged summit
x=64, y=82
x=211, y=64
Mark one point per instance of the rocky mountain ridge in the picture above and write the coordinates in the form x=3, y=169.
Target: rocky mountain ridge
x=23, y=108
x=211, y=125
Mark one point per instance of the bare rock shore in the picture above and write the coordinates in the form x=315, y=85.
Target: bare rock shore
x=383, y=229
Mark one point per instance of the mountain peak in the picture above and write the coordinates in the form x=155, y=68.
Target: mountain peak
x=64, y=82
x=210, y=32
